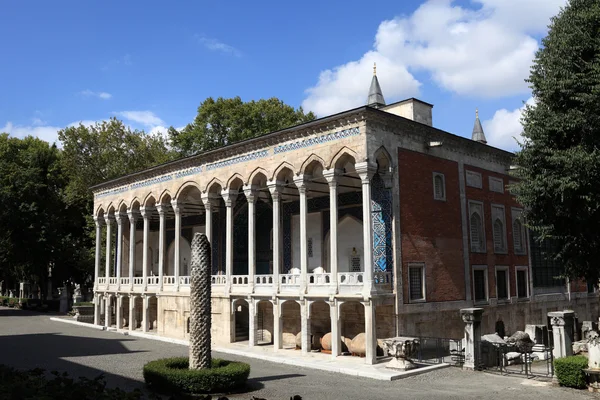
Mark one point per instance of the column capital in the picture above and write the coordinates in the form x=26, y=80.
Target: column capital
x=301, y=183
x=99, y=221
x=120, y=217
x=332, y=175
x=251, y=192
x=146, y=212
x=209, y=199
x=109, y=219
x=365, y=170
x=470, y=315
x=133, y=215
x=229, y=197
x=161, y=209
x=276, y=189
x=177, y=206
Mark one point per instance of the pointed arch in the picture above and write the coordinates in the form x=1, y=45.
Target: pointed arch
x=254, y=174
x=309, y=162
x=211, y=184
x=186, y=186
x=163, y=195
x=281, y=167
x=341, y=155
x=100, y=209
x=383, y=159
x=147, y=200
x=122, y=208
x=233, y=178
x=134, y=202
x=110, y=209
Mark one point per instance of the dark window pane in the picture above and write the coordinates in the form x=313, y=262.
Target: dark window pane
x=479, y=283
x=501, y=284
x=416, y=282
x=522, y=283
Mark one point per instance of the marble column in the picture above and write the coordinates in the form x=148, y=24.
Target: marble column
x=302, y=189
x=97, y=308
x=472, y=340
x=177, y=209
x=146, y=213
x=562, y=332
x=229, y=199
x=331, y=177
x=251, y=196
x=305, y=326
x=108, y=312
x=162, y=245
x=132, y=313
x=146, y=313
x=109, y=219
x=119, y=317
x=133, y=216
x=208, y=205
x=276, y=190
x=119, y=247
x=99, y=221
x=252, y=323
x=336, y=336
x=370, y=333
x=277, y=326
x=366, y=171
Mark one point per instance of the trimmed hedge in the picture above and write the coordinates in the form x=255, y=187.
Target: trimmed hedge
x=569, y=371
x=172, y=375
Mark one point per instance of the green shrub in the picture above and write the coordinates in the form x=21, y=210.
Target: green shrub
x=3, y=301
x=569, y=371
x=84, y=304
x=171, y=375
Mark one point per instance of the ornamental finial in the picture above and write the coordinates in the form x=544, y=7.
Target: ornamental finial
x=477, y=113
x=374, y=68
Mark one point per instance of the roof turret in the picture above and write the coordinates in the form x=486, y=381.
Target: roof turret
x=478, y=134
x=375, y=98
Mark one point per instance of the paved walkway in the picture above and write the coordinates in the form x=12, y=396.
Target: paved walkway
x=29, y=340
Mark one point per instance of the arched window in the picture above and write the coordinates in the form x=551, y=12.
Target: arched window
x=499, y=236
x=518, y=236
x=476, y=232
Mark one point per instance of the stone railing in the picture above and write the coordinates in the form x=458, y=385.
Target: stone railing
x=125, y=281
x=101, y=281
x=138, y=281
x=184, y=280
x=239, y=280
x=218, y=280
x=153, y=280
x=319, y=279
x=112, y=281
x=350, y=278
x=263, y=280
x=168, y=280
x=290, y=279
x=383, y=280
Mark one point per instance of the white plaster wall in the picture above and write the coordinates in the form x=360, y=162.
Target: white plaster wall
x=314, y=231
x=350, y=236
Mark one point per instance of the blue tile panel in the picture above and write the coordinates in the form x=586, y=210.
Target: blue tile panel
x=381, y=209
x=236, y=160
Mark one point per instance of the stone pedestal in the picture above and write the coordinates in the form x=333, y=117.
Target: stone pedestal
x=403, y=350
x=472, y=342
x=562, y=332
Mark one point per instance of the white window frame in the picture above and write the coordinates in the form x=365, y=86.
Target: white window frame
x=474, y=175
x=423, y=282
x=498, y=211
x=483, y=246
x=516, y=214
x=507, y=270
x=443, y=198
x=483, y=268
x=517, y=270
x=497, y=180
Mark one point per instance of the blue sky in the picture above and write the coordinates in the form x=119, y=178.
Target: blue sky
x=151, y=63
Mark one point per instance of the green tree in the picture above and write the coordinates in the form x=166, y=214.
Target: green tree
x=560, y=156
x=226, y=121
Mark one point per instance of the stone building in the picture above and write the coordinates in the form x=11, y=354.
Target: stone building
x=370, y=220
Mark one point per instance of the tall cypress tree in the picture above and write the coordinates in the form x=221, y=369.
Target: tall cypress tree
x=560, y=158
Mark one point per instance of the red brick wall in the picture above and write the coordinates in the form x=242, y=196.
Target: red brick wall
x=487, y=197
x=431, y=229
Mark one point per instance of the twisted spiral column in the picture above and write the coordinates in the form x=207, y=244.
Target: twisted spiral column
x=200, y=313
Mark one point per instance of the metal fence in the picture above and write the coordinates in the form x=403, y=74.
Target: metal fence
x=507, y=360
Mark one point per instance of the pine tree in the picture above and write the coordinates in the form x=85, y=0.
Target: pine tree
x=559, y=162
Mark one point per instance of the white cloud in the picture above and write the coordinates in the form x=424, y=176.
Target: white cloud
x=216, y=45
x=146, y=118
x=100, y=95
x=47, y=133
x=504, y=129
x=484, y=53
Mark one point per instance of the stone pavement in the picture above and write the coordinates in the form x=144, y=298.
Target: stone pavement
x=29, y=340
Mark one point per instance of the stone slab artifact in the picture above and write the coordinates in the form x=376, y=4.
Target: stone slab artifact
x=521, y=341
x=494, y=339
x=403, y=350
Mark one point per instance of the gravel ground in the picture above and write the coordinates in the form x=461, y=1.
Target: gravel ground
x=29, y=340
